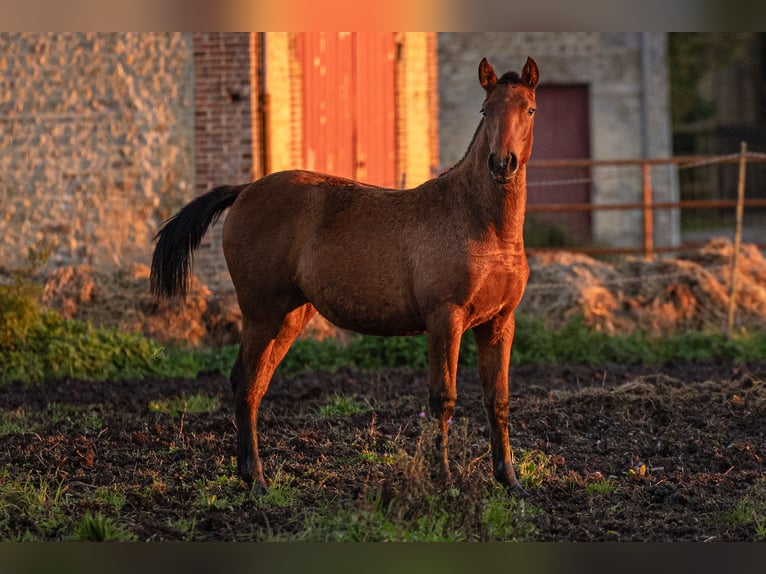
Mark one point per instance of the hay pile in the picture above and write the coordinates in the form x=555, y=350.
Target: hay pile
x=665, y=295
x=121, y=298
x=662, y=296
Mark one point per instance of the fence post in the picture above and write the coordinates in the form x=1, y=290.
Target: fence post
x=737, y=238
x=648, y=213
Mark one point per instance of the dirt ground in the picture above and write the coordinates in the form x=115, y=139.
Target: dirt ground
x=681, y=446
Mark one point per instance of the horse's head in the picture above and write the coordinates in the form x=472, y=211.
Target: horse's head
x=509, y=115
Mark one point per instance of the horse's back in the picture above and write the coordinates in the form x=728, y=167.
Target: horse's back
x=346, y=247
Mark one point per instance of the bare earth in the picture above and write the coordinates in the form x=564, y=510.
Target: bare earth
x=681, y=445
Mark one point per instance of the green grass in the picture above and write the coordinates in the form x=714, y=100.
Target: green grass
x=38, y=345
x=750, y=512
x=416, y=507
x=97, y=527
x=600, y=487
x=198, y=403
x=340, y=405
x=44, y=503
x=23, y=420
x=534, y=467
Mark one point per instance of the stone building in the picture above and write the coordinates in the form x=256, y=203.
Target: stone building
x=602, y=95
x=105, y=135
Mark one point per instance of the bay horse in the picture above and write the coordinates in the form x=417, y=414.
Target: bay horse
x=442, y=258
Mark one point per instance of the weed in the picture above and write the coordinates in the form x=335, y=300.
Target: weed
x=100, y=528
x=374, y=457
x=42, y=502
x=340, y=405
x=110, y=497
x=534, y=467
x=282, y=491
x=415, y=505
x=183, y=525
x=192, y=404
x=506, y=518
x=17, y=421
x=750, y=512
x=600, y=487
x=224, y=492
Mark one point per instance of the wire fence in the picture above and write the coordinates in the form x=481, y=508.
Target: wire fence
x=702, y=286
x=708, y=193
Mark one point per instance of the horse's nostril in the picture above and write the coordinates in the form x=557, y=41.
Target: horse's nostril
x=491, y=162
x=513, y=162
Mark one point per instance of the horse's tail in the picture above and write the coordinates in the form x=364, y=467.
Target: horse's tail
x=180, y=236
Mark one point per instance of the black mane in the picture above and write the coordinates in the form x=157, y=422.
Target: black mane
x=510, y=78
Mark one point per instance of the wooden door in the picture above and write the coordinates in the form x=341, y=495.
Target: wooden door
x=348, y=104
x=562, y=131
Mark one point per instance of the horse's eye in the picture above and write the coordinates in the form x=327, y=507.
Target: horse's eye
x=531, y=111
x=484, y=113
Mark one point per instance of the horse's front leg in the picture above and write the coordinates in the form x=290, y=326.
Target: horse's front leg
x=494, y=340
x=444, y=332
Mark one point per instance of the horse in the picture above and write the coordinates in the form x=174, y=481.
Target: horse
x=441, y=258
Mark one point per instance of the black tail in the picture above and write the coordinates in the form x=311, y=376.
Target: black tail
x=180, y=236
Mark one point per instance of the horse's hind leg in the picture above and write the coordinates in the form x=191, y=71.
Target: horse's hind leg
x=265, y=341
x=493, y=341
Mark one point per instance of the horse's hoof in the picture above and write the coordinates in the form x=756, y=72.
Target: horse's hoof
x=507, y=477
x=257, y=486
x=515, y=489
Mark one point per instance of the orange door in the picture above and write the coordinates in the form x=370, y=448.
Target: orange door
x=348, y=104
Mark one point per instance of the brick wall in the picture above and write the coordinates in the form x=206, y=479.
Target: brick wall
x=95, y=143
x=105, y=135
x=225, y=93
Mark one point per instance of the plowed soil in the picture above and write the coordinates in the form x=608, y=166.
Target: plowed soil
x=679, y=446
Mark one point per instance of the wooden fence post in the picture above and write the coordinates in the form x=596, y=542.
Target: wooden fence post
x=737, y=238
x=646, y=171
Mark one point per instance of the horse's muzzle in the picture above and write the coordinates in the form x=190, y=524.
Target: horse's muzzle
x=502, y=170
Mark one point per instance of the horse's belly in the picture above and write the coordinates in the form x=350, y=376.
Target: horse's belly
x=369, y=317
x=370, y=309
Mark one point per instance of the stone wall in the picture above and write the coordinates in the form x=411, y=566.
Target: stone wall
x=95, y=143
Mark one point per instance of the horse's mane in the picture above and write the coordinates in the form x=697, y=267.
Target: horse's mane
x=465, y=155
x=509, y=78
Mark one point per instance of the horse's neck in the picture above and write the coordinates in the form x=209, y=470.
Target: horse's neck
x=500, y=209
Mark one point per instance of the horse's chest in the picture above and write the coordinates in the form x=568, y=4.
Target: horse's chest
x=498, y=282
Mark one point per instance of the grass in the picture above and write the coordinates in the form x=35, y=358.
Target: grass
x=198, y=403
x=414, y=506
x=600, y=487
x=24, y=420
x=96, y=527
x=750, y=512
x=341, y=406
x=44, y=503
x=534, y=468
x=39, y=345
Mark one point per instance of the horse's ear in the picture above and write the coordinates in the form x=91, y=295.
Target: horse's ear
x=487, y=76
x=530, y=75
